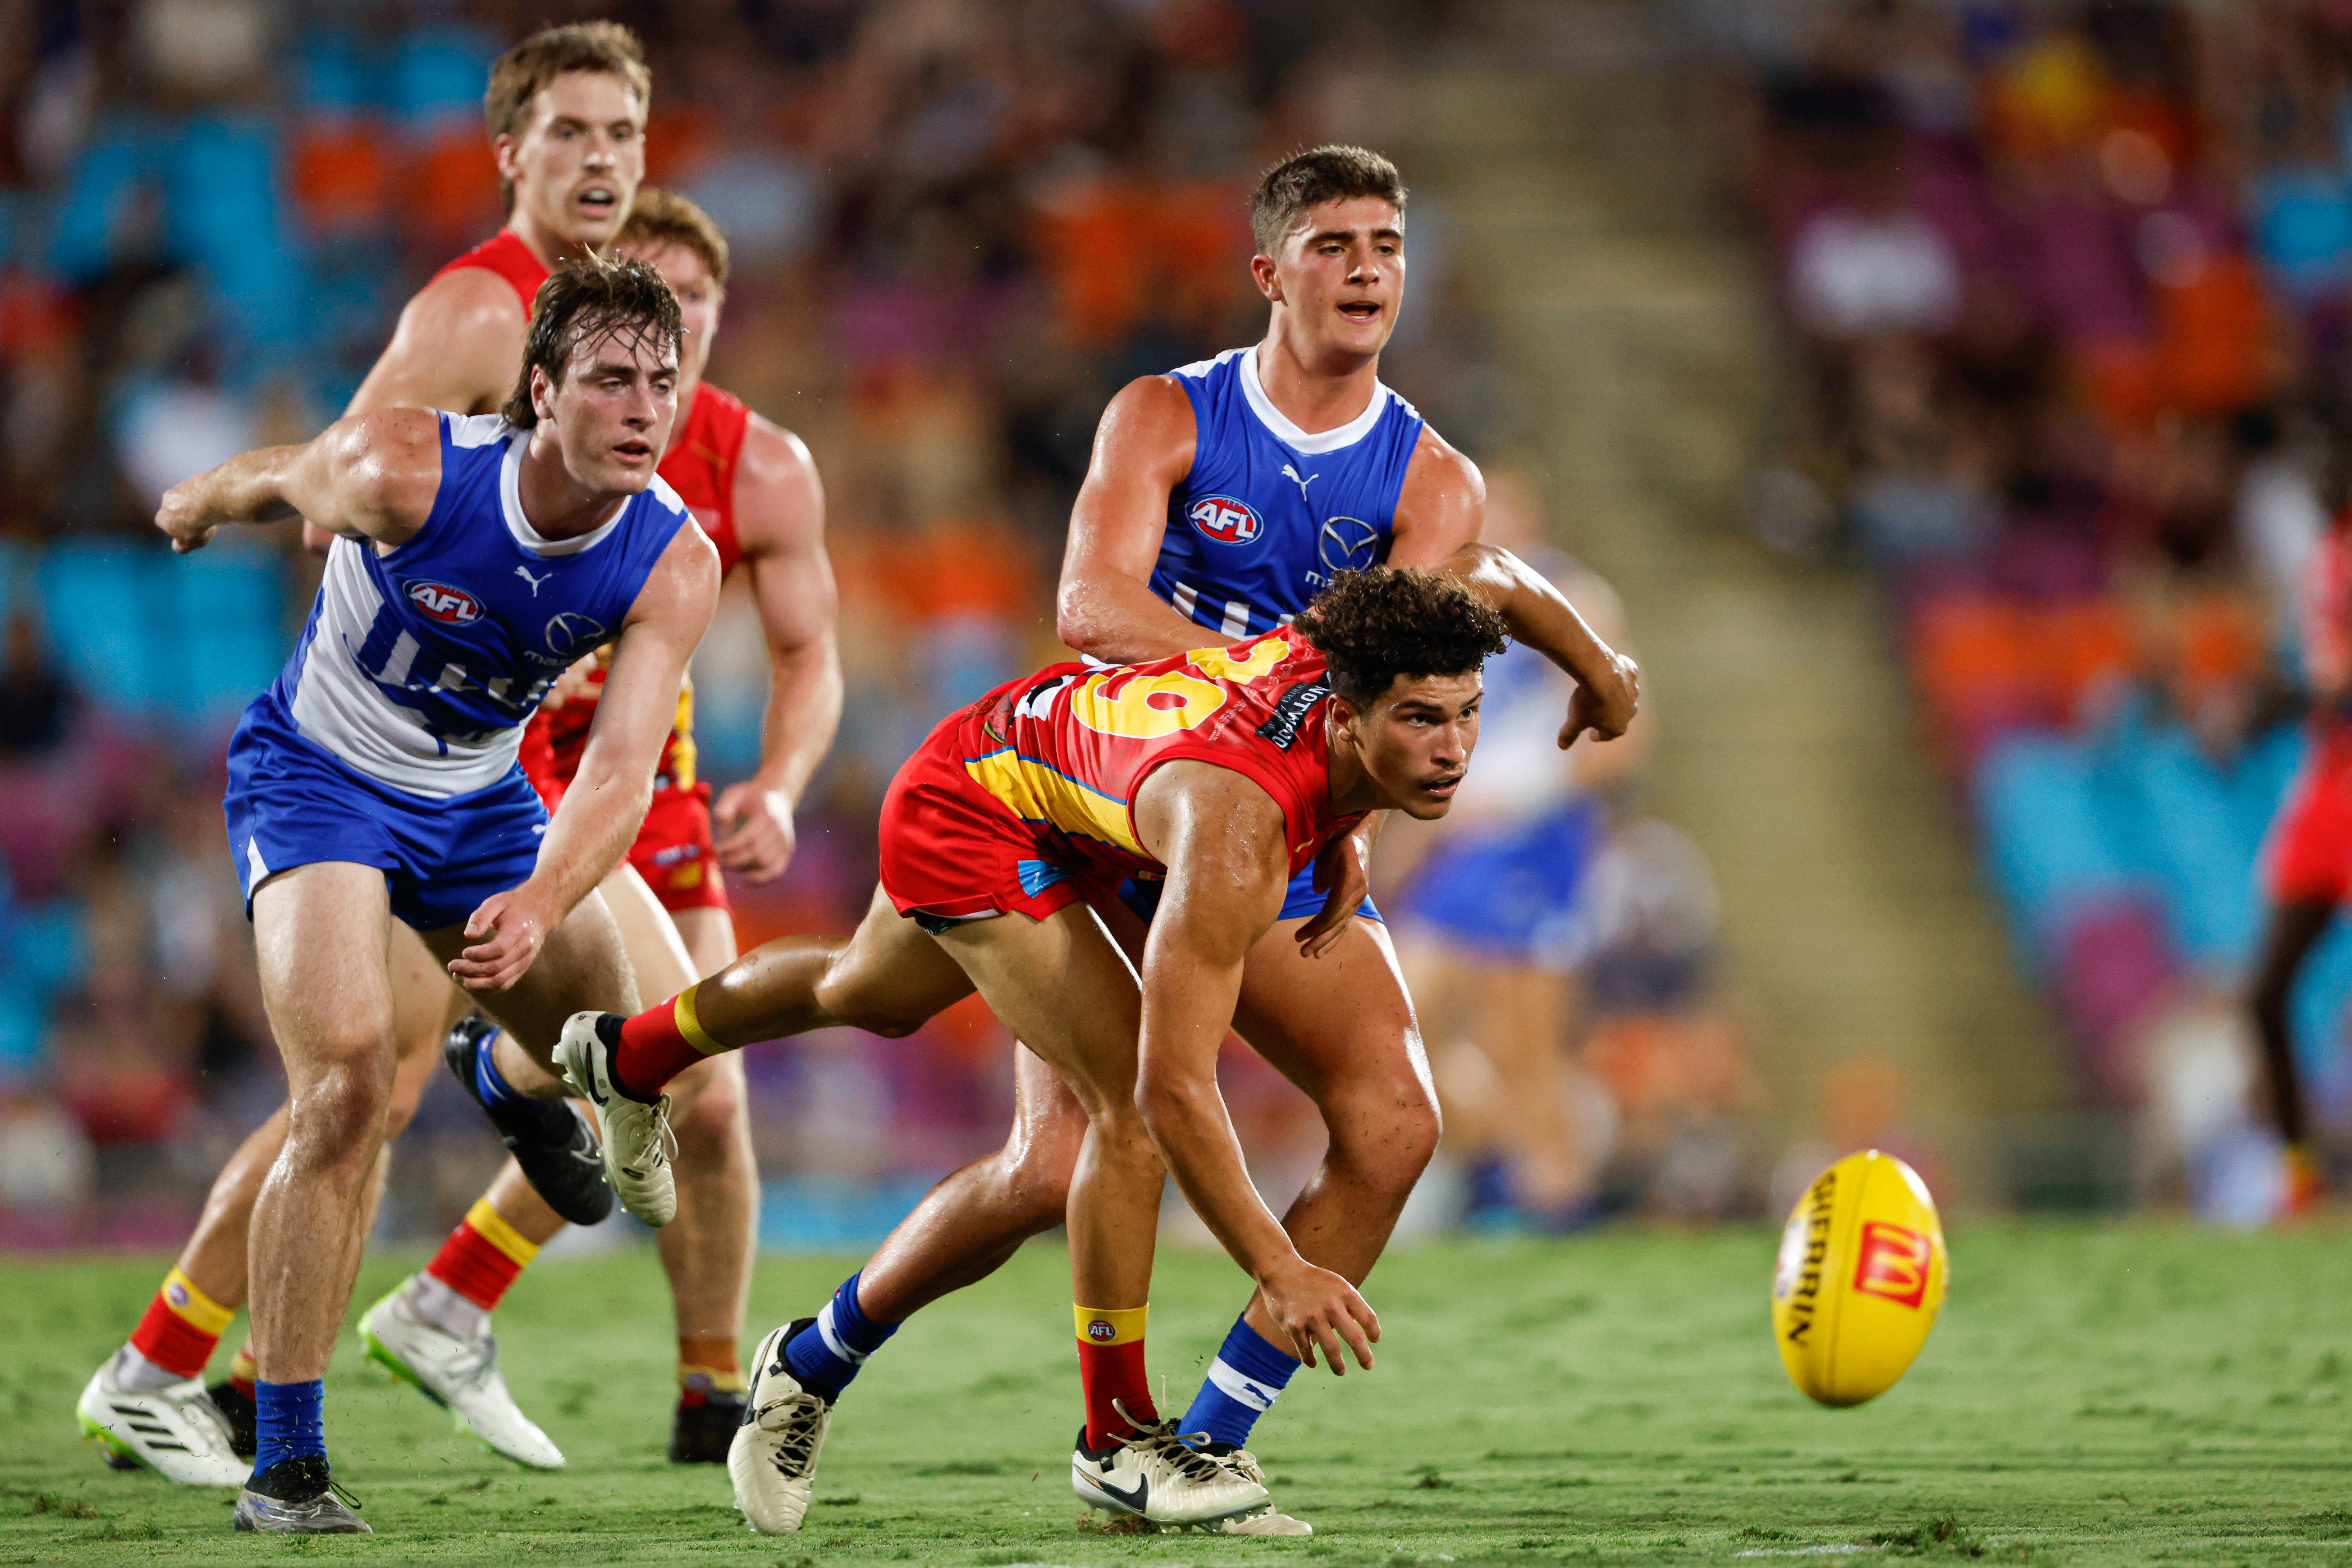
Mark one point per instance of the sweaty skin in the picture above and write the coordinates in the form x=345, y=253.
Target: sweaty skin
x=322, y=930
x=1406, y=751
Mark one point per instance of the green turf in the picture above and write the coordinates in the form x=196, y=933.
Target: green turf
x=2131, y=1393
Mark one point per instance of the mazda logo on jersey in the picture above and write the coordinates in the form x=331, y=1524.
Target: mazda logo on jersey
x=1348, y=544
x=452, y=606
x=1225, y=520
x=570, y=633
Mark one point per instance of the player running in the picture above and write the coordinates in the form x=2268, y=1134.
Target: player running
x=477, y=559
x=2307, y=862
x=565, y=110
x=1217, y=776
x=1224, y=496
x=754, y=490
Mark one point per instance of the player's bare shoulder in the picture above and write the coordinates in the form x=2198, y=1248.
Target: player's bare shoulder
x=779, y=498
x=457, y=346
x=682, y=589
x=1441, y=504
x=385, y=468
x=1149, y=426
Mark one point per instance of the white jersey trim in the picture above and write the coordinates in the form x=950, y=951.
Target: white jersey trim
x=1314, y=444
x=529, y=538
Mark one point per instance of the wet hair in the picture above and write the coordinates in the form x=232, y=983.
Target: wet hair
x=1304, y=180
x=606, y=49
x=586, y=299
x=660, y=217
x=1373, y=627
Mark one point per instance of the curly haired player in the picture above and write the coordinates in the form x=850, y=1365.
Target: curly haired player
x=1218, y=775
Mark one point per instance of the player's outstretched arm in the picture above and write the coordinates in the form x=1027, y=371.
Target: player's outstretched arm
x=607, y=797
x=1224, y=840
x=1143, y=449
x=372, y=477
x=780, y=519
x=1608, y=684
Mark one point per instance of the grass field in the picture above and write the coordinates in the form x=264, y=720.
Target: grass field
x=2114, y=1393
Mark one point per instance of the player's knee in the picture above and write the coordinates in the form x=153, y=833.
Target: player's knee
x=339, y=1115
x=1388, y=1145
x=855, y=1006
x=710, y=1126
x=1037, y=1175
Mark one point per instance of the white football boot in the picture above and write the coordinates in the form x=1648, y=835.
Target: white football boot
x=461, y=1376
x=1266, y=1521
x=636, y=1135
x=1154, y=1476
x=176, y=1430
x=772, y=1459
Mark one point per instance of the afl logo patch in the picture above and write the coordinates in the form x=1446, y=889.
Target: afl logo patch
x=176, y=1293
x=1225, y=520
x=1101, y=1332
x=452, y=606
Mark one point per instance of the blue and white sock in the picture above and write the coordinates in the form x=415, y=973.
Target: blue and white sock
x=290, y=1422
x=489, y=1082
x=1243, y=1382
x=828, y=1354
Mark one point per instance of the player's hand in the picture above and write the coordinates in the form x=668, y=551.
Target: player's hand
x=506, y=932
x=185, y=517
x=756, y=834
x=1318, y=1308
x=1341, y=877
x=1606, y=707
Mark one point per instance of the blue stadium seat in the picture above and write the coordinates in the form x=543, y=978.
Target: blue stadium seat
x=96, y=601
x=2045, y=844
x=438, y=71
x=47, y=949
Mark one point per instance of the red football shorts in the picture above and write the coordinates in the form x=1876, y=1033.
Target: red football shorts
x=674, y=851
x=2308, y=855
x=952, y=851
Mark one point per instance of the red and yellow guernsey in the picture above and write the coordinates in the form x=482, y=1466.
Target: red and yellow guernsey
x=1025, y=800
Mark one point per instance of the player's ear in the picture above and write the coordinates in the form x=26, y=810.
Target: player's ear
x=502, y=148
x=1268, y=280
x=542, y=393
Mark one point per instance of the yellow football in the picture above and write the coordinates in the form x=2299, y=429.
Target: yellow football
x=1861, y=1273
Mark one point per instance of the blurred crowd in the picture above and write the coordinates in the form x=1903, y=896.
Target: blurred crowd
x=2068, y=291
x=958, y=226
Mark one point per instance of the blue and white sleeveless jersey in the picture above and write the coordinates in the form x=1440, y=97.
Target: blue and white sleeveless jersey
x=1268, y=511
x=420, y=665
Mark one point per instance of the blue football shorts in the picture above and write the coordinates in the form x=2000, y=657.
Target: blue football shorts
x=1513, y=893
x=1298, y=901
x=292, y=803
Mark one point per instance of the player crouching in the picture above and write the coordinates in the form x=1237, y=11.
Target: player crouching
x=1221, y=772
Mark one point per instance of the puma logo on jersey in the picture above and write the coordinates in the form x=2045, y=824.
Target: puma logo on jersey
x=1292, y=475
x=524, y=572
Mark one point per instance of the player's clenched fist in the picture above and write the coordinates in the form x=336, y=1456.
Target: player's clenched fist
x=186, y=515
x=1605, y=705
x=1318, y=1308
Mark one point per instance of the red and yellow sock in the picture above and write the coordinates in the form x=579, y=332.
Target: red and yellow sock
x=181, y=1327
x=482, y=1258
x=707, y=1365
x=660, y=1043
x=242, y=1371
x=1110, y=1368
